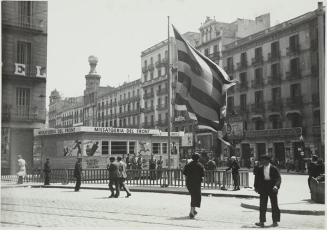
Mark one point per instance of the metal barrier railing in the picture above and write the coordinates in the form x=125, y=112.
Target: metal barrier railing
x=213, y=179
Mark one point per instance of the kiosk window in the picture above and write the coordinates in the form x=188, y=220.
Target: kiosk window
x=132, y=147
x=155, y=148
x=164, y=148
x=118, y=147
x=105, y=147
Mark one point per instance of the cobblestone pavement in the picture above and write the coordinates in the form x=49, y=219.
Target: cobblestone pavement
x=50, y=207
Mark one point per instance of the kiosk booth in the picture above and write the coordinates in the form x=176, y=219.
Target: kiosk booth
x=96, y=144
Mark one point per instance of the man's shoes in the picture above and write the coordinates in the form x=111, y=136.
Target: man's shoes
x=195, y=212
x=128, y=195
x=191, y=215
x=260, y=224
x=275, y=224
x=111, y=196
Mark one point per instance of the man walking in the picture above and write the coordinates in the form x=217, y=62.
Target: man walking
x=123, y=176
x=113, y=169
x=267, y=182
x=47, y=171
x=194, y=172
x=78, y=173
x=313, y=169
x=21, y=169
x=236, y=175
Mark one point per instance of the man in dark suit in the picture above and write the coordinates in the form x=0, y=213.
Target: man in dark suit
x=113, y=169
x=78, y=173
x=267, y=182
x=194, y=172
x=313, y=169
x=47, y=171
x=122, y=176
x=236, y=175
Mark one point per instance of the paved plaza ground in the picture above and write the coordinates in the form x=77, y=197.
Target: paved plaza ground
x=60, y=207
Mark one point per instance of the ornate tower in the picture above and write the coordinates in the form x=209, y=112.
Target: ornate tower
x=92, y=79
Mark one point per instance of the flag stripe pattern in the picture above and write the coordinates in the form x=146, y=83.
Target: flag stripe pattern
x=201, y=85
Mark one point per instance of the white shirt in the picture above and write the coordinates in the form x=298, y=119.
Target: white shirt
x=266, y=172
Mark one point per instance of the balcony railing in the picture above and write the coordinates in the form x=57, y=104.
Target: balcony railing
x=258, y=83
x=243, y=86
x=294, y=102
x=23, y=113
x=275, y=106
x=274, y=57
x=162, y=106
x=242, y=65
x=162, y=123
x=257, y=61
x=242, y=109
x=214, y=56
x=148, y=95
x=161, y=63
x=258, y=107
x=27, y=22
x=162, y=91
x=148, y=109
x=293, y=51
x=275, y=79
x=294, y=75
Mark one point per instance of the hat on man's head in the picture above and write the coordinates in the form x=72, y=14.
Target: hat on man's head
x=112, y=158
x=265, y=157
x=314, y=157
x=195, y=156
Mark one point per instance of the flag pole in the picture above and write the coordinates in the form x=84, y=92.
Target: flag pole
x=169, y=105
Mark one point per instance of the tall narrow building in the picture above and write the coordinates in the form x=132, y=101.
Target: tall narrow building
x=24, y=62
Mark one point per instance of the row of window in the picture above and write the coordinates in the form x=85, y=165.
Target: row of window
x=158, y=59
x=294, y=47
x=122, y=97
x=295, y=92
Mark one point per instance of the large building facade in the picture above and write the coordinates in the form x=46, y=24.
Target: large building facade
x=277, y=97
x=24, y=62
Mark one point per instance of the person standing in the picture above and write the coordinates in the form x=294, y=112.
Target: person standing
x=152, y=168
x=122, y=176
x=313, y=169
x=78, y=173
x=21, y=169
x=235, y=173
x=47, y=171
x=194, y=172
x=211, y=167
x=113, y=169
x=267, y=183
x=159, y=167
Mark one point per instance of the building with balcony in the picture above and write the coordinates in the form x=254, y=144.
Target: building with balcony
x=120, y=107
x=100, y=106
x=214, y=34
x=154, y=82
x=280, y=109
x=24, y=63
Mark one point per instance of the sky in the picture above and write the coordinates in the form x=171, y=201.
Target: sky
x=117, y=31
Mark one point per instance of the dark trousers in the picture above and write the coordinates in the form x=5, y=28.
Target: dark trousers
x=124, y=186
x=274, y=206
x=309, y=182
x=78, y=183
x=236, y=179
x=195, y=192
x=46, y=179
x=114, y=182
x=20, y=180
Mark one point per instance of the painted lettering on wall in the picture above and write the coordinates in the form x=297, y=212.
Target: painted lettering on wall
x=20, y=69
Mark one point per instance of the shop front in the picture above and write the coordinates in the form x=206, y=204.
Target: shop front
x=283, y=145
x=96, y=144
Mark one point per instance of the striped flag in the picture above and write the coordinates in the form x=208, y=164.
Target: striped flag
x=201, y=87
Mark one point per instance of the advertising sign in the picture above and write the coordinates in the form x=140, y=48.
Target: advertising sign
x=92, y=148
x=187, y=140
x=234, y=128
